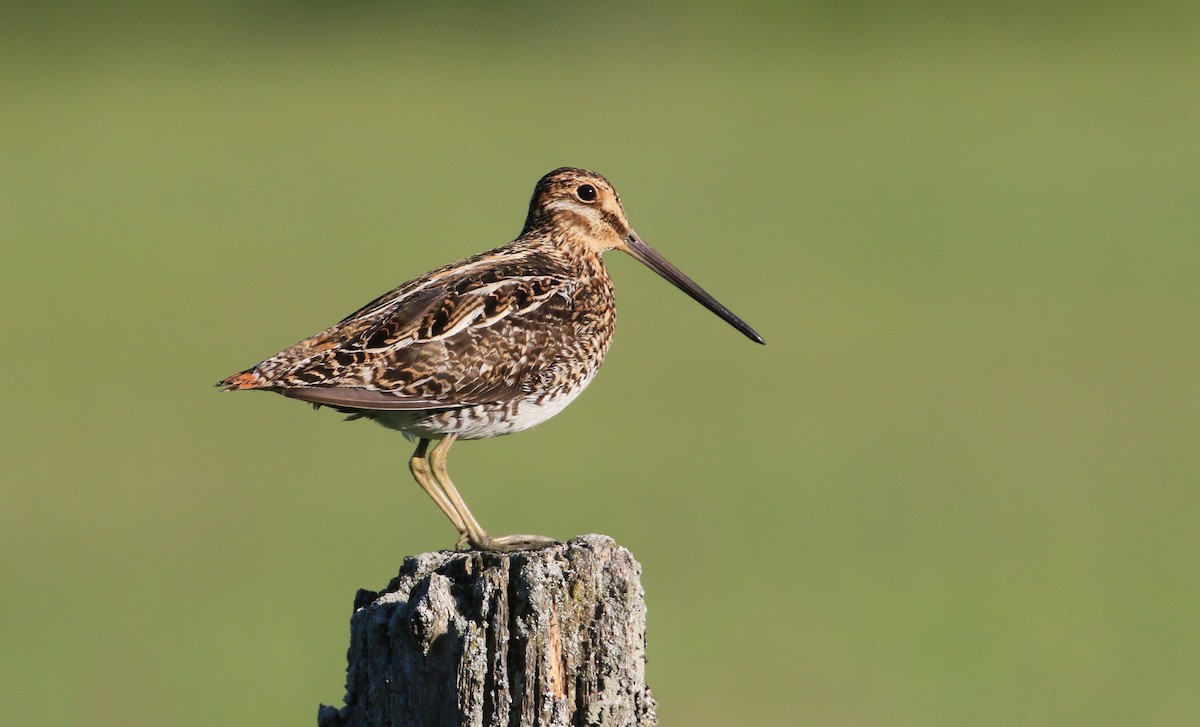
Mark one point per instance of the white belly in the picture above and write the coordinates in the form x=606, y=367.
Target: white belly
x=481, y=421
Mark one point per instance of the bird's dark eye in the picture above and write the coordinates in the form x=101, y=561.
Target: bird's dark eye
x=586, y=192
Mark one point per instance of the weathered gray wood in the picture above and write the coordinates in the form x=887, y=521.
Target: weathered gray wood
x=548, y=637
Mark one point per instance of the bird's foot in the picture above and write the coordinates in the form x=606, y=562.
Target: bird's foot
x=511, y=543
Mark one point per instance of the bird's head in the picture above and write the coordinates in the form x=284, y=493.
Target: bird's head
x=582, y=207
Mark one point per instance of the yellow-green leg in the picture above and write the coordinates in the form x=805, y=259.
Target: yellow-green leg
x=419, y=466
x=466, y=523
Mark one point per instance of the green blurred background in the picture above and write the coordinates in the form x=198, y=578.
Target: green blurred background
x=957, y=487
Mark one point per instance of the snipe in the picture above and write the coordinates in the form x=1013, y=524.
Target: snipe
x=489, y=345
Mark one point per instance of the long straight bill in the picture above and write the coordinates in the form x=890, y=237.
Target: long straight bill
x=659, y=264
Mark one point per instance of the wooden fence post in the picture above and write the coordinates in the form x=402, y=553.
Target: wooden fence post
x=547, y=637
